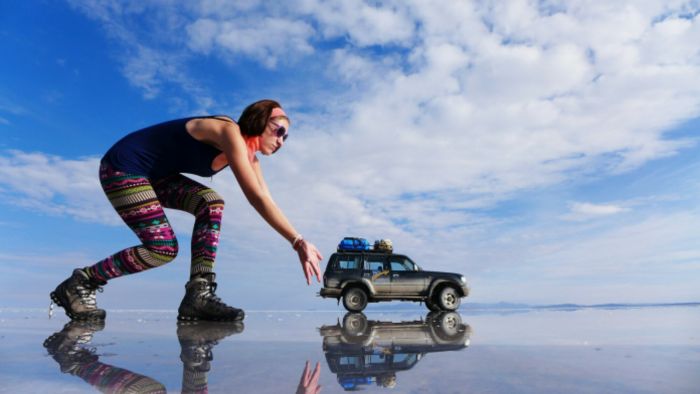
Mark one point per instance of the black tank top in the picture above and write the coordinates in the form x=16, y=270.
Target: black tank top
x=161, y=150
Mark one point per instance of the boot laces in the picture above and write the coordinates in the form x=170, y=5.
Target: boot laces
x=209, y=295
x=87, y=291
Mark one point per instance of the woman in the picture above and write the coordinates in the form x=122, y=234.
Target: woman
x=141, y=174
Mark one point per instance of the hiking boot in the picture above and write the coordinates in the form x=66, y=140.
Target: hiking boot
x=201, y=302
x=198, y=338
x=65, y=347
x=77, y=296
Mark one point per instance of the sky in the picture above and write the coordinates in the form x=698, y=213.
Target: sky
x=549, y=151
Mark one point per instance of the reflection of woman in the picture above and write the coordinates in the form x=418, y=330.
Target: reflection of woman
x=308, y=383
x=141, y=174
x=197, y=340
x=67, y=348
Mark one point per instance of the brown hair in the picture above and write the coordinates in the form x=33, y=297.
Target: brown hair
x=254, y=118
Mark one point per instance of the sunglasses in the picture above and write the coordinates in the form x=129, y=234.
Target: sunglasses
x=280, y=130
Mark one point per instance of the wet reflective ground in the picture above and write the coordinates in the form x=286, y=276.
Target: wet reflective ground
x=640, y=350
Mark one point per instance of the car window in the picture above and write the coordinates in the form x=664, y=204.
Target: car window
x=402, y=264
x=347, y=262
x=374, y=263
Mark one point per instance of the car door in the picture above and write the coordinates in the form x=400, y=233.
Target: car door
x=405, y=277
x=377, y=272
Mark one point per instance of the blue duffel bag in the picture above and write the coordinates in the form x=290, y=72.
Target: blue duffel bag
x=354, y=244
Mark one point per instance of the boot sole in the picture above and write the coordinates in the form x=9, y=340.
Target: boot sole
x=185, y=318
x=57, y=300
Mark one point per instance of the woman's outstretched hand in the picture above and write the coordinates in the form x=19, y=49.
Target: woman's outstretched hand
x=309, y=257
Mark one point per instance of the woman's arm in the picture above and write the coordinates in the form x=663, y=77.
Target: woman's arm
x=258, y=174
x=227, y=137
x=258, y=196
x=309, y=256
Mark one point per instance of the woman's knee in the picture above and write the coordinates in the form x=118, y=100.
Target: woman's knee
x=162, y=249
x=212, y=204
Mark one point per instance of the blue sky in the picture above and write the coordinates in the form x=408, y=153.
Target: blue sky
x=548, y=151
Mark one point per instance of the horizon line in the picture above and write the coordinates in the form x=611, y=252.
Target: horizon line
x=501, y=305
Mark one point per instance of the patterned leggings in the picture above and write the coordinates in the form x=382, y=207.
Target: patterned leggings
x=140, y=204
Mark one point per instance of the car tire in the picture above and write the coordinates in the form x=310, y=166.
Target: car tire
x=355, y=299
x=448, y=298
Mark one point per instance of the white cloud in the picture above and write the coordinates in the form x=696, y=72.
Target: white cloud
x=363, y=24
x=543, y=106
x=53, y=185
x=265, y=40
x=586, y=210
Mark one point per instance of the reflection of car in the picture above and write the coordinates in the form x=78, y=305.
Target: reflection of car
x=359, y=277
x=362, y=352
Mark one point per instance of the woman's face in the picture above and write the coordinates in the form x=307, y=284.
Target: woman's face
x=274, y=135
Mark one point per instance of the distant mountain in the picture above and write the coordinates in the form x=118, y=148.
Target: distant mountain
x=602, y=306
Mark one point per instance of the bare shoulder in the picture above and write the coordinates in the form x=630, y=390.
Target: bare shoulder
x=219, y=131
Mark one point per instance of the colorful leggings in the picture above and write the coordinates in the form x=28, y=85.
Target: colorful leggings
x=140, y=204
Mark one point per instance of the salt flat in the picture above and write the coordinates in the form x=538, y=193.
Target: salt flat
x=586, y=350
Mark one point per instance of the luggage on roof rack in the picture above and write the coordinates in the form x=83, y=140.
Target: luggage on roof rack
x=383, y=245
x=354, y=244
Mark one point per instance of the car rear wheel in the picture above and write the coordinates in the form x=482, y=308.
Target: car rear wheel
x=355, y=299
x=448, y=298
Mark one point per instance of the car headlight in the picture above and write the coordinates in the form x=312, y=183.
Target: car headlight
x=463, y=279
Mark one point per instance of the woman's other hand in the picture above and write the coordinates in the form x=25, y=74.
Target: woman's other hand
x=309, y=257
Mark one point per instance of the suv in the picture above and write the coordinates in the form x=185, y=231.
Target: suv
x=363, y=276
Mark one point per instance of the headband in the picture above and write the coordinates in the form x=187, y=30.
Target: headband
x=277, y=111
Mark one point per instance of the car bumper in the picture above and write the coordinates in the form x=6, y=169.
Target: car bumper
x=326, y=292
x=465, y=290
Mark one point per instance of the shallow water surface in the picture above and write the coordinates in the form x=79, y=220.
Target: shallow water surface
x=640, y=350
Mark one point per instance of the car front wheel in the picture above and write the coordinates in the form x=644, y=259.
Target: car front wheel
x=355, y=299
x=448, y=298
